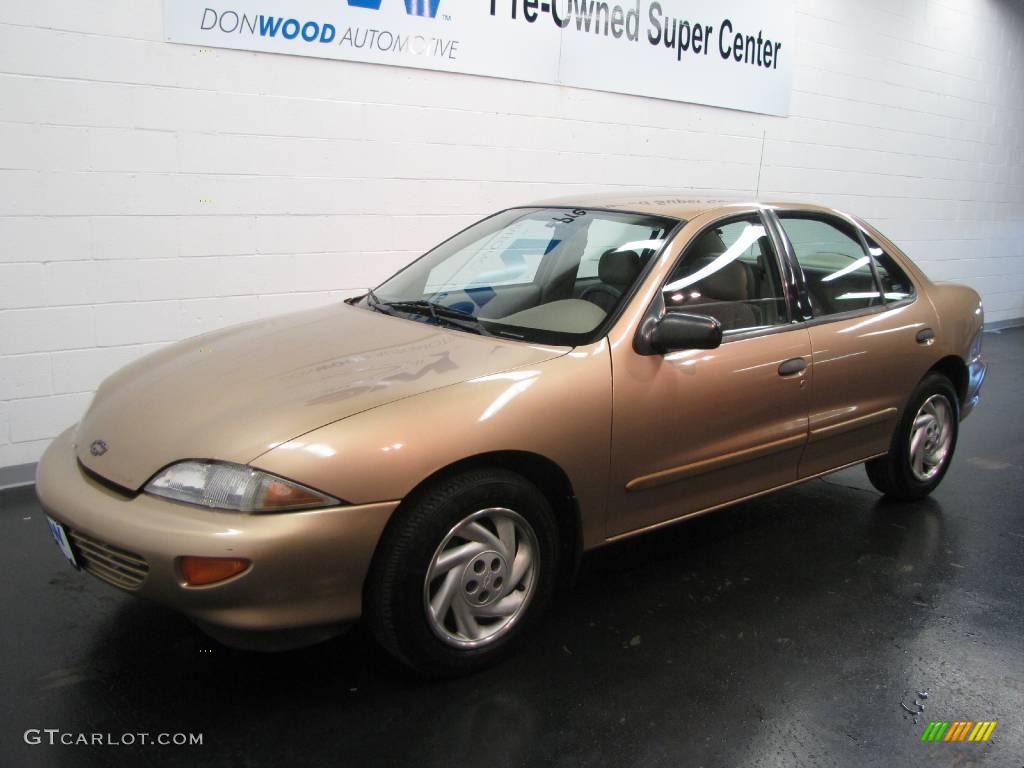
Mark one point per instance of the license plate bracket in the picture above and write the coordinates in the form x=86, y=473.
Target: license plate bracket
x=60, y=535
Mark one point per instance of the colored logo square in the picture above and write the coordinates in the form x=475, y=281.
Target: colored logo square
x=422, y=7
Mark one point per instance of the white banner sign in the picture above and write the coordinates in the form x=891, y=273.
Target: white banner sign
x=726, y=53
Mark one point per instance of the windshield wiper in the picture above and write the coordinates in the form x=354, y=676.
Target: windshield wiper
x=440, y=313
x=372, y=300
x=433, y=308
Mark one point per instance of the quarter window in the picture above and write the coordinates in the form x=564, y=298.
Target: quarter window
x=838, y=272
x=896, y=286
x=730, y=273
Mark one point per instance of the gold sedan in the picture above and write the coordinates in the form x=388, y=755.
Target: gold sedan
x=435, y=455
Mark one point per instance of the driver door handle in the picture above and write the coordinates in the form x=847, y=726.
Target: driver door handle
x=792, y=367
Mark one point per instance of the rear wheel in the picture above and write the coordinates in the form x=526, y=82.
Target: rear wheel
x=462, y=572
x=923, y=444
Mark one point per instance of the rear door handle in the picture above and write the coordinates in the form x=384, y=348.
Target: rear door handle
x=791, y=367
x=925, y=336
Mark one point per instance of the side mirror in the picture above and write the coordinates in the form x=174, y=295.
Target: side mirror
x=681, y=330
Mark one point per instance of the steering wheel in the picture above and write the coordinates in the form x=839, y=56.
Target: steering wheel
x=595, y=290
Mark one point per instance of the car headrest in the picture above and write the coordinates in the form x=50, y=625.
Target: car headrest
x=708, y=246
x=730, y=283
x=619, y=268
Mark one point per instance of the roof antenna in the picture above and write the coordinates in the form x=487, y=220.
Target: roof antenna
x=760, y=165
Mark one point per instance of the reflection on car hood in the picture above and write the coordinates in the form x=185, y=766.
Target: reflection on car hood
x=234, y=394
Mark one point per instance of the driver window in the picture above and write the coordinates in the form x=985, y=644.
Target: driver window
x=731, y=274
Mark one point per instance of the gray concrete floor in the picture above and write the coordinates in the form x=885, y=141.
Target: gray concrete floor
x=783, y=632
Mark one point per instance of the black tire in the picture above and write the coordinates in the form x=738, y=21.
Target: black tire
x=893, y=474
x=394, y=602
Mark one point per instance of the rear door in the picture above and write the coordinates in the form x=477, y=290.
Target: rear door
x=865, y=352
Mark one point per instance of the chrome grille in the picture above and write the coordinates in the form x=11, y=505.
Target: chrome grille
x=112, y=564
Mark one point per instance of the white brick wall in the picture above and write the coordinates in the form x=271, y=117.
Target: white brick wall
x=323, y=177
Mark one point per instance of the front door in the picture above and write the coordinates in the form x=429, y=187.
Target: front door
x=695, y=429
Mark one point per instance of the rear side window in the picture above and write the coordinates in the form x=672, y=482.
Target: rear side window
x=838, y=272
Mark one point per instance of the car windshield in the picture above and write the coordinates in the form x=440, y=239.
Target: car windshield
x=545, y=275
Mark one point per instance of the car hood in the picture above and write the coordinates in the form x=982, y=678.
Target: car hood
x=237, y=393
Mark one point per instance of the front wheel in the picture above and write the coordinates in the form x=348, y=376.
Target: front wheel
x=462, y=572
x=923, y=444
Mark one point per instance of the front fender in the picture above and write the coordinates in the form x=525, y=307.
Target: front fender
x=559, y=409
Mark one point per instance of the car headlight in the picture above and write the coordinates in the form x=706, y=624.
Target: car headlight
x=233, y=487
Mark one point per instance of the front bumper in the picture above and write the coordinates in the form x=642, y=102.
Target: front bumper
x=307, y=567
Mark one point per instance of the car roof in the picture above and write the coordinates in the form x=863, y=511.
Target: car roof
x=681, y=205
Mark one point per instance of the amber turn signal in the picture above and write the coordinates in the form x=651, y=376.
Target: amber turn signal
x=278, y=494
x=199, y=571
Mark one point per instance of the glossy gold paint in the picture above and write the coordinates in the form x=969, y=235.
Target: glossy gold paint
x=301, y=371
x=308, y=567
x=366, y=407
x=864, y=369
